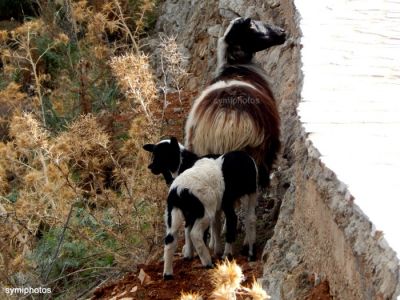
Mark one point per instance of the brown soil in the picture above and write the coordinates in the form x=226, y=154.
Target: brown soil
x=320, y=292
x=175, y=113
x=189, y=276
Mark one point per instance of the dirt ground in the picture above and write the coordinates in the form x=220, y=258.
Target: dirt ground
x=189, y=276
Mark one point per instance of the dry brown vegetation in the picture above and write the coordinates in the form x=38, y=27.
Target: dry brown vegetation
x=78, y=99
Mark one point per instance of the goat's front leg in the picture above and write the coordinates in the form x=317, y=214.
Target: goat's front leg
x=176, y=220
x=215, y=239
x=250, y=224
x=196, y=234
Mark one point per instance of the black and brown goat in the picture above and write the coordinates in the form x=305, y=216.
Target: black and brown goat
x=237, y=111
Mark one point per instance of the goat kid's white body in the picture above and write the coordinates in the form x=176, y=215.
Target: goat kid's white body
x=205, y=181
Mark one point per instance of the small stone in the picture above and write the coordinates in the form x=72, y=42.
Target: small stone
x=274, y=3
x=134, y=289
x=122, y=294
x=177, y=109
x=144, y=277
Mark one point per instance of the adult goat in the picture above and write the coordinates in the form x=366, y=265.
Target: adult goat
x=237, y=111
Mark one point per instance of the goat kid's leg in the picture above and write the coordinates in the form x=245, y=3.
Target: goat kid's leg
x=250, y=224
x=188, y=251
x=171, y=241
x=215, y=240
x=197, y=233
x=230, y=237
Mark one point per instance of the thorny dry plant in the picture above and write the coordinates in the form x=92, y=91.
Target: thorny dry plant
x=28, y=57
x=173, y=67
x=173, y=61
x=190, y=296
x=135, y=78
x=78, y=201
x=47, y=167
x=227, y=278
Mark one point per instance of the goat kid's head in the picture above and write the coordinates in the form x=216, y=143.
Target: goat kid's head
x=166, y=158
x=249, y=36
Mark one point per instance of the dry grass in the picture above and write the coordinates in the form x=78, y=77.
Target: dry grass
x=77, y=203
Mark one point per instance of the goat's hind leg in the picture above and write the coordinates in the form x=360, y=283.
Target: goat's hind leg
x=196, y=234
x=188, y=251
x=231, y=231
x=249, y=202
x=177, y=219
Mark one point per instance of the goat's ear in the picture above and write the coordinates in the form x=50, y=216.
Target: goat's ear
x=247, y=22
x=174, y=141
x=149, y=147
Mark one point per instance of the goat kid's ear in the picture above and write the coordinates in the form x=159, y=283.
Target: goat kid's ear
x=174, y=141
x=247, y=22
x=149, y=147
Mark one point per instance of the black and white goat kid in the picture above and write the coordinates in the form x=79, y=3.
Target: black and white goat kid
x=201, y=189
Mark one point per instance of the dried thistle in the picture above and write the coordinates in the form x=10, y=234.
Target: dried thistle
x=96, y=28
x=62, y=38
x=223, y=293
x=134, y=75
x=256, y=291
x=190, y=296
x=3, y=36
x=33, y=27
x=226, y=278
x=145, y=7
x=80, y=11
x=173, y=62
x=27, y=54
x=28, y=133
x=84, y=142
x=173, y=57
x=4, y=186
x=11, y=98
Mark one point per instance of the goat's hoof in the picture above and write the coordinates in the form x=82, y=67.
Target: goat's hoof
x=251, y=257
x=187, y=258
x=218, y=254
x=228, y=257
x=168, y=277
x=209, y=266
x=245, y=250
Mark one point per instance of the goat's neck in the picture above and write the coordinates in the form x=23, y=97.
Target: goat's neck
x=221, y=54
x=224, y=58
x=188, y=159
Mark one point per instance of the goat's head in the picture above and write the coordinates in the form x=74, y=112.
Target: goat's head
x=166, y=157
x=244, y=37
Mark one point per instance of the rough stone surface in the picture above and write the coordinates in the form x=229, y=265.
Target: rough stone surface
x=320, y=232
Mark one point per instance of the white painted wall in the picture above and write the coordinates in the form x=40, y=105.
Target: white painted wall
x=351, y=100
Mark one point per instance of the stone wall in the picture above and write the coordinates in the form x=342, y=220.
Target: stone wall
x=321, y=235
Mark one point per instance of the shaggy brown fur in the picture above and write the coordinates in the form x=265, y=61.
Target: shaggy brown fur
x=237, y=117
